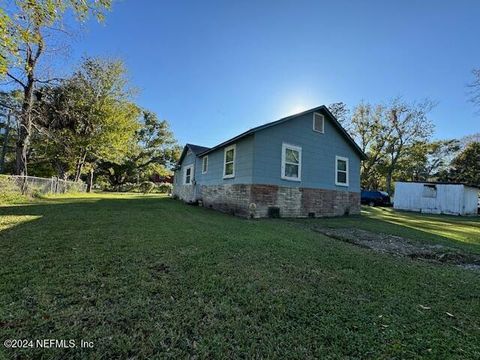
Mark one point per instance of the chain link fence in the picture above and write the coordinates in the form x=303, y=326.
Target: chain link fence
x=43, y=186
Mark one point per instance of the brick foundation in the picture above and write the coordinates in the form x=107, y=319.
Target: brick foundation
x=255, y=200
x=184, y=192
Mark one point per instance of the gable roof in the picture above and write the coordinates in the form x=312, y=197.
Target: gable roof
x=196, y=149
x=323, y=108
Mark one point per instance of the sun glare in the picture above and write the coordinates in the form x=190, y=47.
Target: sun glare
x=298, y=109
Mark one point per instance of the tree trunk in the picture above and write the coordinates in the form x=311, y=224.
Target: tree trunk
x=21, y=154
x=25, y=129
x=61, y=172
x=389, y=182
x=90, y=181
x=5, y=143
x=22, y=143
x=79, y=166
x=24, y=132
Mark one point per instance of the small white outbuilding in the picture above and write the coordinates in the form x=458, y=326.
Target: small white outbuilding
x=436, y=198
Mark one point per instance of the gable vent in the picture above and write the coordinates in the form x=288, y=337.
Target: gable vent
x=318, y=123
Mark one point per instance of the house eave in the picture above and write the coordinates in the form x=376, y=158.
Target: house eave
x=352, y=142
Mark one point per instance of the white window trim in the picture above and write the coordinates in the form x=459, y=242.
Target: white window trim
x=185, y=175
x=336, y=170
x=234, y=147
x=323, y=123
x=286, y=146
x=204, y=159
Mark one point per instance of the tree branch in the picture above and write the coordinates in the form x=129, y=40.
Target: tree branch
x=49, y=80
x=16, y=80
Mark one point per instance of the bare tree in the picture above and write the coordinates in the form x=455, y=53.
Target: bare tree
x=466, y=140
x=342, y=113
x=474, y=87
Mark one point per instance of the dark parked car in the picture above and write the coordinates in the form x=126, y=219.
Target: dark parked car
x=375, y=198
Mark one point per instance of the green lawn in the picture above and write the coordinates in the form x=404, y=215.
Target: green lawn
x=150, y=277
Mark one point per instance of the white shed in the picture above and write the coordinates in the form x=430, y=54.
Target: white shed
x=436, y=198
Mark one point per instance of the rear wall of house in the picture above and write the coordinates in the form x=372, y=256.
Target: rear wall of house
x=318, y=155
x=258, y=185
x=243, y=165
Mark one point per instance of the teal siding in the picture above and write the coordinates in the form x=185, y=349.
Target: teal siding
x=318, y=155
x=243, y=165
x=258, y=157
x=189, y=159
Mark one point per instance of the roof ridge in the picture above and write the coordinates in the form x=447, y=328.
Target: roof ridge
x=279, y=121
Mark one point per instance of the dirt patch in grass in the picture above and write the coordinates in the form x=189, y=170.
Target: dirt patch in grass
x=159, y=269
x=400, y=246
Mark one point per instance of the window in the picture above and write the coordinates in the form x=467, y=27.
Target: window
x=341, y=171
x=291, y=162
x=429, y=191
x=229, y=162
x=188, y=175
x=204, y=164
x=318, y=123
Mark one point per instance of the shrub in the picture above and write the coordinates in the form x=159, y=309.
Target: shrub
x=146, y=187
x=102, y=183
x=35, y=192
x=75, y=187
x=10, y=192
x=126, y=187
x=164, y=188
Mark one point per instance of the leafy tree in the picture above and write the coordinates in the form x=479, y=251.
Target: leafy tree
x=58, y=117
x=390, y=134
x=155, y=142
x=9, y=110
x=7, y=43
x=109, y=117
x=426, y=161
x=89, y=118
x=466, y=166
x=26, y=35
x=155, y=151
x=407, y=124
x=371, y=133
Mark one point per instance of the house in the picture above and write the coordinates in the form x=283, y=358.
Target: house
x=304, y=165
x=436, y=197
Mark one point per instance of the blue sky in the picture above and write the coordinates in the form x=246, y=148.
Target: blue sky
x=216, y=68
